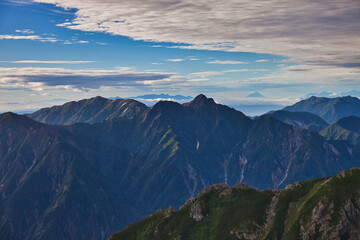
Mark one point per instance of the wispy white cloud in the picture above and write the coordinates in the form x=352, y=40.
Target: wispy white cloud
x=29, y=37
x=226, y=62
x=51, y=62
x=262, y=60
x=311, y=75
x=41, y=39
x=175, y=60
x=216, y=73
x=25, y=31
x=314, y=31
x=81, y=41
x=101, y=43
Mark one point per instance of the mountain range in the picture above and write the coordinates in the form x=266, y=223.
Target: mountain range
x=93, y=177
x=92, y=110
x=323, y=208
x=329, y=109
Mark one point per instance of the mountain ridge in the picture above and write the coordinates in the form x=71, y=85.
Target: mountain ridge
x=329, y=109
x=304, y=120
x=347, y=128
x=91, y=110
x=320, y=208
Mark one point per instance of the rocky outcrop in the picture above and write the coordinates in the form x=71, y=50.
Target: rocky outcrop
x=195, y=212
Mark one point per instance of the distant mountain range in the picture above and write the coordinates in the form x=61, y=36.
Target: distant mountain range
x=107, y=169
x=163, y=97
x=329, y=109
x=325, y=208
x=330, y=94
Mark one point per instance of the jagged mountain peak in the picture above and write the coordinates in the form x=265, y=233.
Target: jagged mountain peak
x=200, y=101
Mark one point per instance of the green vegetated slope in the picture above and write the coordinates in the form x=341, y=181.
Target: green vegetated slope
x=347, y=128
x=329, y=109
x=90, y=110
x=305, y=120
x=323, y=208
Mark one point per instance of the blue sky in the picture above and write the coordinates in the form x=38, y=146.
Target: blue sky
x=53, y=51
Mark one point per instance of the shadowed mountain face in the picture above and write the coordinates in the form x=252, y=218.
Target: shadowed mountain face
x=91, y=110
x=329, y=109
x=85, y=181
x=54, y=185
x=325, y=208
x=347, y=128
x=304, y=120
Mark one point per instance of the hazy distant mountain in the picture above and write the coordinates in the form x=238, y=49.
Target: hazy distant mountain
x=85, y=181
x=353, y=93
x=255, y=95
x=327, y=94
x=324, y=208
x=163, y=97
x=91, y=110
x=329, y=109
x=304, y=120
x=331, y=94
x=347, y=128
x=256, y=109
x=159, y=97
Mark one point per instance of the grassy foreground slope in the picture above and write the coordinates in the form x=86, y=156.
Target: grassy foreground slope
x=323, y=208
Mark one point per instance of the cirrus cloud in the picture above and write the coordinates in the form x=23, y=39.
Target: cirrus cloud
x=314, y=31
x=226, y=62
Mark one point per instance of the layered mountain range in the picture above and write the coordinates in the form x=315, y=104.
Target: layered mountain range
x=329, y=109
x=324, y=208
x=122, y=160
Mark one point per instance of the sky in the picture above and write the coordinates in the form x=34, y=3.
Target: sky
x=55, y=51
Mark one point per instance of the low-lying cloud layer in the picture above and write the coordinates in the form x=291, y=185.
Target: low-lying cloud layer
x=323, y=31
x=38, y=79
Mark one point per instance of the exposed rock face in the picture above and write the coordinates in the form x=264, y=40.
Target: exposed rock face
x=318, y=209
x=195, y=212
x=169, y=211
